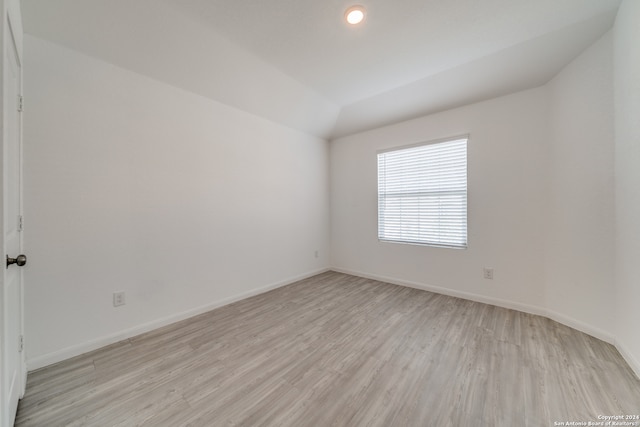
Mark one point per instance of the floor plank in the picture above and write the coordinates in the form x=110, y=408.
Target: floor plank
x=339, y=350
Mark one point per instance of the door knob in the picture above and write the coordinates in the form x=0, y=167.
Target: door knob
x=20, y=260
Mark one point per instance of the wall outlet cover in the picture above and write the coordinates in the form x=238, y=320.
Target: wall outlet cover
x=118, y=299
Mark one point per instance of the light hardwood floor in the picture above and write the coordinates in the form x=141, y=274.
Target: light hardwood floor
x=338, y=350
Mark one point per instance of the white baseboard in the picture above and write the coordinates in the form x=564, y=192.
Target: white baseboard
x=85, y=347
x=581, y=326
x=76, y=350
x=603, y=335
x=513, y=305
x=631, y=360
x=446, y=291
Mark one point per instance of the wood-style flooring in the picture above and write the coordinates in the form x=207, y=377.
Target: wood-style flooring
x=339, y=350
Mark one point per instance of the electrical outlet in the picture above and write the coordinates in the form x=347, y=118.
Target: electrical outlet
x=118, y=299
x=488, y=273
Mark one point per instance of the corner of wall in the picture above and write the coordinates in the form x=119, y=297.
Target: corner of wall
x=627, y=180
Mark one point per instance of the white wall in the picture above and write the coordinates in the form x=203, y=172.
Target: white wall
x=126, y=177
x=579, y=251
x=507, y=166
x=554, y=197
x=627, y=188
x=163, y=40
x=134, y=185
x=521, y=66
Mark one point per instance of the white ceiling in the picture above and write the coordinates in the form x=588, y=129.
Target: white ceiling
x=296, y=62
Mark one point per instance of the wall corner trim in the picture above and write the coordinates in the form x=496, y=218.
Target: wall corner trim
x=526, y=308
x=628, y=356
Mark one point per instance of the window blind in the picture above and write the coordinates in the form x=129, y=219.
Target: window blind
x=422, y=194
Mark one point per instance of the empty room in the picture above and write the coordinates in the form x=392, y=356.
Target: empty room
x=320, y=213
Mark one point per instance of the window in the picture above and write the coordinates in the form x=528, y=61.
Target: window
x=422, y=194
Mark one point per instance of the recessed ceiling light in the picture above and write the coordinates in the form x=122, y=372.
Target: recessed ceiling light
x=354, y=15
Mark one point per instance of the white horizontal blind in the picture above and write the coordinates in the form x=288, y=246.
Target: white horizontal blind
x=422, y=194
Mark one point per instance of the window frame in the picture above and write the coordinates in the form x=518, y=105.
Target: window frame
x=427, y=243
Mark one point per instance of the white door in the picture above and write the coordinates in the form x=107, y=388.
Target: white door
x=12, y=357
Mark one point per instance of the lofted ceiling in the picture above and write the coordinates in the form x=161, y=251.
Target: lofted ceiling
x=297, y=63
